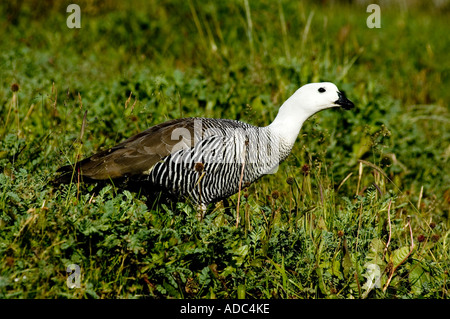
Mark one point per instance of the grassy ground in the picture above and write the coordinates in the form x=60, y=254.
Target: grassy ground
x=365, y=194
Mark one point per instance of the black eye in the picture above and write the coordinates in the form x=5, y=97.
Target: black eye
x=321, y=90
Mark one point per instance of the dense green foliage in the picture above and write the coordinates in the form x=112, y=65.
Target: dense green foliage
x=365, y=193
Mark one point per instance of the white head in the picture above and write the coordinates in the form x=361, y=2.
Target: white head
x=305, y=102
x=314, y=97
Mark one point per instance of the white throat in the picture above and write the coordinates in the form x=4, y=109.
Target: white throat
x=289, y=120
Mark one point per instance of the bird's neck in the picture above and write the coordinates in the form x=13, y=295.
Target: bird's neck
x=289, y=121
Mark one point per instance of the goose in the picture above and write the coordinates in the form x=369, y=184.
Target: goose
x=206, y=159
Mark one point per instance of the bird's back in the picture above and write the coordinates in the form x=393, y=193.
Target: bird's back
x=200, y=158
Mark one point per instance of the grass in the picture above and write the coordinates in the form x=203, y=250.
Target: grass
x=359, y=210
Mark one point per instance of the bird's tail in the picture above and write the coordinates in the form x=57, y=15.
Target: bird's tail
x=66, y=175
x=71, y=173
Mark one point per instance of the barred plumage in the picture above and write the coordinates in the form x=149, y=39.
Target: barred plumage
x=223, y=149
x=203, y=158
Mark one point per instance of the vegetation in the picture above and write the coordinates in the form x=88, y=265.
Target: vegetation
x=359, y=210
